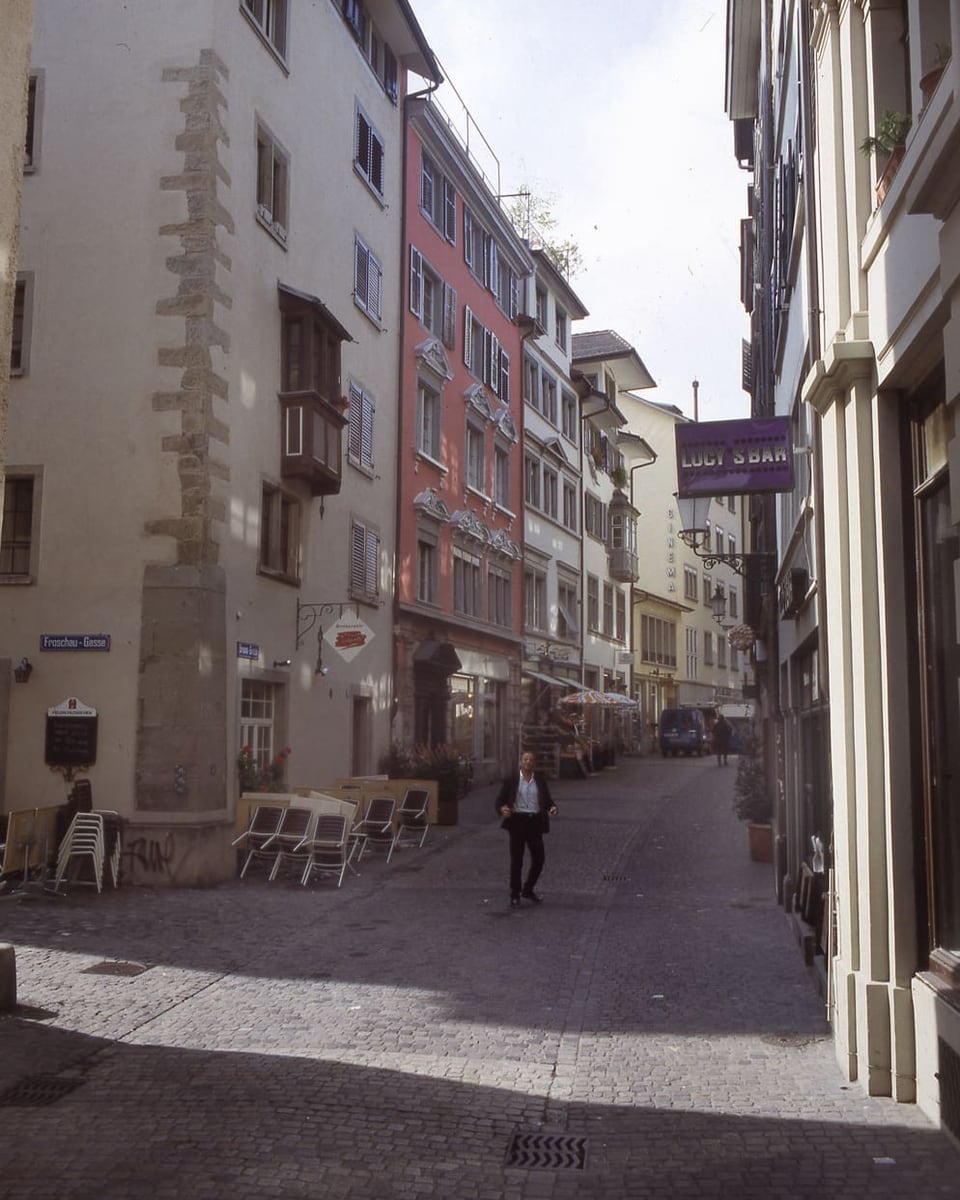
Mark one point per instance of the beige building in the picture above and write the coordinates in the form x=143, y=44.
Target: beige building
x=202, y=434
x=852, y=271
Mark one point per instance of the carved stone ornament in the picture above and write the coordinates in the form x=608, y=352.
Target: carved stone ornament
x=431, y=356
x=476, y=397
x=430, y=503
x=505, y=545
x=506, y=424
x=469, y=524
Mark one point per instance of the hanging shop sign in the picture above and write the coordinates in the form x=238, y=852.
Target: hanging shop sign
x=348, y=636
x=734, y=458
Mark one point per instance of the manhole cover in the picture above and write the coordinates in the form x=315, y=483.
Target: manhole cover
x=115, y=968
x=553, y=1151
x=797, y=1040
x=33, y=1093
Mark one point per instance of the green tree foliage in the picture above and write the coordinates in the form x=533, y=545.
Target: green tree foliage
x=532, y=217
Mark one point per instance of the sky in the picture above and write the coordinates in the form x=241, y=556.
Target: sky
x=613, y=113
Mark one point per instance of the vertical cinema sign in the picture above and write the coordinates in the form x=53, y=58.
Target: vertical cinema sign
x=731, y=458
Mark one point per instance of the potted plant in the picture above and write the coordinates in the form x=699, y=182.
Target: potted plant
x=255, y=777
x=929, y=81
x=618, y=477
x=751, y=803
x=445, y=764
x=890, y=139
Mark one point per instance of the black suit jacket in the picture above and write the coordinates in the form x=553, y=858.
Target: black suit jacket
x=508, y=796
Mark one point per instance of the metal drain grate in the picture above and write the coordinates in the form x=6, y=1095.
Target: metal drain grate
x=949, y=1076
x=128, y=969
x=615, y=878
x=554, y=1151
x=36, y=1092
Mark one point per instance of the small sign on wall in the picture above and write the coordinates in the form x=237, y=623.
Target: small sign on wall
x=248, y=650
x=71, y=734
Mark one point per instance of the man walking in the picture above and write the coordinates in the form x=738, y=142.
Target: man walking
x=525, y=805
x=722, y=731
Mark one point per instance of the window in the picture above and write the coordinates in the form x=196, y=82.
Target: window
x=472, y=241
x=593, y=603
x=707, y=591
x=708, y=649
x=693, y=654
x=501, y=477
x=570, y=506
x=508, y=291
x=570, y=417
x=428, y=421
x=438, y=199
x=368, y=154
x=550, y=398
x=560, y=328
x=531, y=481
x=621, y=626
x=721, y=651
x=20, y=343
x=258, y=709
x=360, y=415
x=531, y=383
x=541, y=306
x=731, y=544
x=608, y=609
x=18, y=541
x=279, y=534
x=382, y=60
x=467, y=596
x=733, y=605
x=568, y=604
x=432, y=300
x=270, y=19
x=309, y=350
x=718, y=539
x=273, y=170
x=475, y=458
x=364, y=562
x=594, y=516
x=368, y=280
x=426, y=571
x=31, y=149
x=535, y=599
x=550, y=497
x=499, y=607
x=690, y=584
x=658, y=641
x=473, y=338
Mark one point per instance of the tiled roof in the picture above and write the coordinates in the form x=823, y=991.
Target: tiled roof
x=600, y=343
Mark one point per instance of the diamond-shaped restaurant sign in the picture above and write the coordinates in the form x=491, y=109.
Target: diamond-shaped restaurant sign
x=348, y=636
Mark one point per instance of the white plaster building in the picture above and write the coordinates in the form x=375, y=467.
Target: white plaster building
x=552, y=549
x=211, y=255
x=854, y=289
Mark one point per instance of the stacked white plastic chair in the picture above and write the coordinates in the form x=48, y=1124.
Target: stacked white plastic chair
x=84, y=839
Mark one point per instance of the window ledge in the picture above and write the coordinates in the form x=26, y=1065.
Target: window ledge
x=279, y=576
x=274, y=228
x=374, y=320
x=364, y=468
x=365, y=180
x=423, y=456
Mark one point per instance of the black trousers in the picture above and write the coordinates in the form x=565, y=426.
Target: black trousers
x=526, y=832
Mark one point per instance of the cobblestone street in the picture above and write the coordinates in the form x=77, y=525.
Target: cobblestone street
x=653, y=1017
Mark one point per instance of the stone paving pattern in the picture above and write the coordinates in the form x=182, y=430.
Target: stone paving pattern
x=387, y=1039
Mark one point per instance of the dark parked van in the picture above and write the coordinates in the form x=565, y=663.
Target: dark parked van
x=682, y=731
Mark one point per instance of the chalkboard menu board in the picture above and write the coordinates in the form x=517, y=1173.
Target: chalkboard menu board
x=71, y=739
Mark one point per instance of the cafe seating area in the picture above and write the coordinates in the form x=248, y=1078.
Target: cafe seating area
x=328, y=833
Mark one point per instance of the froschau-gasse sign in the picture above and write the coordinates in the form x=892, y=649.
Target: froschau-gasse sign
x=734, y=458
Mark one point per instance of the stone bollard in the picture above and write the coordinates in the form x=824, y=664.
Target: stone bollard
x=8, y=977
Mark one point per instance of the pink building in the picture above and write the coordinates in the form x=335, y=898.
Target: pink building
x=459, y=609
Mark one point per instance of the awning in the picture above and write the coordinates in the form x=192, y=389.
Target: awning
x=551, y=680
x=439, y=655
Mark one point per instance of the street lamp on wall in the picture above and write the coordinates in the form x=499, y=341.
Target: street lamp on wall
x=23, y=670
x=694, y=531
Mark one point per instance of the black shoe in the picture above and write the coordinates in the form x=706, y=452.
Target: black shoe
x=532, y=897
x=514, y=901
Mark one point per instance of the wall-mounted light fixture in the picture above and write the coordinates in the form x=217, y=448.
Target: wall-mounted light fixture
x=23, y=670
x=718, y=606
x=281, y=662
x=694, y=531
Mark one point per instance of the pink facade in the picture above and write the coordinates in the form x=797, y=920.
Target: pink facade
x=459, y=607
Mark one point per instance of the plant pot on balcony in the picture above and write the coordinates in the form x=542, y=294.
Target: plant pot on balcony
x=889, y=171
